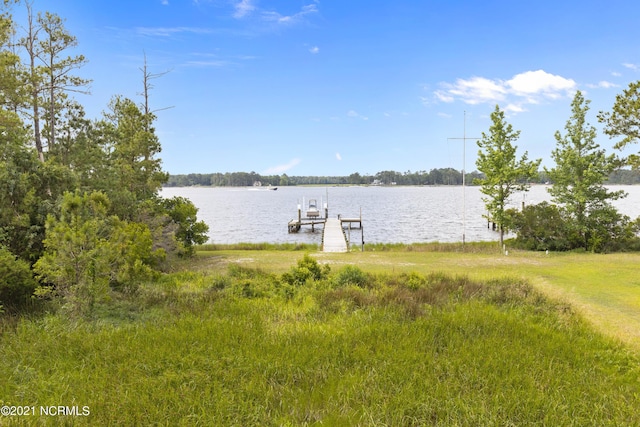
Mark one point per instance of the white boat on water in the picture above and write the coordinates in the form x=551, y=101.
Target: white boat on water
x=312, y=210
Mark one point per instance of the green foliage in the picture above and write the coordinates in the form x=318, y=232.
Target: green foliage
x=610, y=231
x=135, y=255
x=350, y=275
x=190, y=231
x=16, y=280
x=504, y=173
x=579, y=175
x=306, y=270
x=547, y=227
x=624, y=121
x=86, y=250
x=544, y=227
x=450, y=351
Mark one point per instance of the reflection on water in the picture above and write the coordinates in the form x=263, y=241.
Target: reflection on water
x=389, y=214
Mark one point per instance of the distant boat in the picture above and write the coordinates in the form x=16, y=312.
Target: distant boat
x=312, y=210
x=273, y=189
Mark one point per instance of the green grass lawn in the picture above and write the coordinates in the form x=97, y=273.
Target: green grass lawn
x=406, y=338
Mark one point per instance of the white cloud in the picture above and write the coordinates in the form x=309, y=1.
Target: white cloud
x=276, y=170
x=170, y=31
x=534, y=83
x=630, y=66
x=165, y=2
x=243, y=8
x=338, y=156
x=530, y=87
x=514, y=108
x=355, y=115
x=290, y=19
x=208, y=64
x=314, y=50
x=477, y=90
x=602, y=85
x=616, y=74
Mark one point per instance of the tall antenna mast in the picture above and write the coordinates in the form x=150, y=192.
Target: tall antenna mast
x=464, y=173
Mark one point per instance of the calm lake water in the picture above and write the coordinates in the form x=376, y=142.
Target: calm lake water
x=389, y=214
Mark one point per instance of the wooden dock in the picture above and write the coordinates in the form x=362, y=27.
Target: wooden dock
x=333, y=238
x=296, y=224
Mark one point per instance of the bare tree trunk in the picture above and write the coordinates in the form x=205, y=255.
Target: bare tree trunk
x=30, y=46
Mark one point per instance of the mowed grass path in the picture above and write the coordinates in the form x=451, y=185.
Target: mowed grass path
x=605, y=288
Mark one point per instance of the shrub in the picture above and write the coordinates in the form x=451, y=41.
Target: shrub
x=16, y=281
x=351, y=275
x=306, y=270
x=190, y=231
x=543, y=227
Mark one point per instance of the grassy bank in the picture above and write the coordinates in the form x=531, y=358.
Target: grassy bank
x=247, y=337
x=605, y=288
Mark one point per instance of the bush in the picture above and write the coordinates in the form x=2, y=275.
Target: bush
x=16, y=281
x=610, y=231
x=543, y=227
x=190, y=231
x=351, y=275
x=307, y=269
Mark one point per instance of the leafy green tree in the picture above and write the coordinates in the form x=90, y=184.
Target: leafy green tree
x=16, y=280
x=624, y=121
x=190, y=231
x=580, y=172
x=504, y=173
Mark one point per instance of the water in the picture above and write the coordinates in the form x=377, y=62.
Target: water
x=389, y=214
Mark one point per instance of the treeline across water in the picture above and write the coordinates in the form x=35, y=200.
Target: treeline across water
x=443, y=176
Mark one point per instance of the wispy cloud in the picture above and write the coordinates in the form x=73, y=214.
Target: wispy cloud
x=208, y=63
x=630, y=66
x=530, y=87
x=602, y=85
x=291, y=19
x=338, y=156
x=171, y=31
x=243, y=8
x=164, y=2
x=355, y=115
x=276, y=170
x=314, y=50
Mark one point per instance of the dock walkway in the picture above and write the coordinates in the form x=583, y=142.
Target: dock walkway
x=333, y=238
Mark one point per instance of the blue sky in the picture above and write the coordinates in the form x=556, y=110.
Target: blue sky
x=332, y=87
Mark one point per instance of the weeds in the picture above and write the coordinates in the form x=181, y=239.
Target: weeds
x=247, y=346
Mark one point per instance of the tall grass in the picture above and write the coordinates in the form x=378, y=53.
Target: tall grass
x=353, y=348
x=258, y=247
